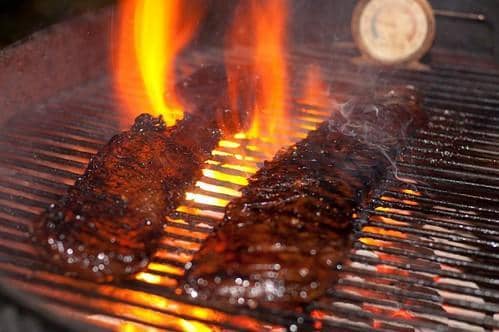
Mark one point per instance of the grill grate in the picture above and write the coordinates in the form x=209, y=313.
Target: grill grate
x=426, y=251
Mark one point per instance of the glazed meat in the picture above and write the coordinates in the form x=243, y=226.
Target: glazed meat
x=109, y=223
x=283, y=242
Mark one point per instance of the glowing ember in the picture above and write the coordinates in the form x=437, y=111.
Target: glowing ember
x=389, y=221
x=411, y=192
x=374, y=242
x=229, y=144
x=167, y=311
x=205, y=199
x=319, y=315
x=190, y=326
x=382, y=231
x=165, y=268
x=225, y=177
x=246, y=169
x=218, y=189
x=155, y=279
x=151, y=34
x=200, y=212
x=405, y=201
x=392, y=210
x=387, y=269
x=403, y=314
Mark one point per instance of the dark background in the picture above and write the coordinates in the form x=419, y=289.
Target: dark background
x=19, y=18
x=318, y=22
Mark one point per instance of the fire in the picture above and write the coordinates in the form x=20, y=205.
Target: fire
x=261, y=26
x=315, y=90
x=150, y=36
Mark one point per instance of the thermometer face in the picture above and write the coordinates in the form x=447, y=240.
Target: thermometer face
x=393, y=31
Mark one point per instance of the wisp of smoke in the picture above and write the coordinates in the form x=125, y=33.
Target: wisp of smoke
x=362, y=121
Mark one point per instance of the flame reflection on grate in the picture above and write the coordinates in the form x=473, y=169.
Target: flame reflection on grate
x=386, y=254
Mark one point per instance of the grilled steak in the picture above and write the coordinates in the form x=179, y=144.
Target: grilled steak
x=283, y=241
x=109, y=223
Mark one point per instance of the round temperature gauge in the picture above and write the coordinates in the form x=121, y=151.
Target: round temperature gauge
x=393, y=32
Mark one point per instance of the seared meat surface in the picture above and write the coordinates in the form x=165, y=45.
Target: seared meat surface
x=109, y=223
x=283, y=242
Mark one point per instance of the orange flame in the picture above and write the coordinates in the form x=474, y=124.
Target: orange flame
x=261, y=26
x=150, y=36
x=315, y=89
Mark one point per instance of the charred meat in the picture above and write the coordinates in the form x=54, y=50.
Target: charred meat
x=282, y=243
x=109, y=223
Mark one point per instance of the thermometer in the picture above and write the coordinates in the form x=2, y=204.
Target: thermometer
x=393, y=32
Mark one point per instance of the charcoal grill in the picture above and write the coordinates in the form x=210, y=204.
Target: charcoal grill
x=426, y=254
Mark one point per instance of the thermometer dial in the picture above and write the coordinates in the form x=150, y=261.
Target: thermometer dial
x=393, y=32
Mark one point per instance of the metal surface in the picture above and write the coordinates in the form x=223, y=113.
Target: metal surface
x=426, y=255
x=54, y=59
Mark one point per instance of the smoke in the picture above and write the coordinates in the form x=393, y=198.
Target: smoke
x=369, y=124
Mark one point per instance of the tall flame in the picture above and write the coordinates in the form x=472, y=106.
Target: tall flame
x=151, y=35
x=260, y=27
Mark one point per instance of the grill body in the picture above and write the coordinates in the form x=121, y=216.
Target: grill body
x=425, y=253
